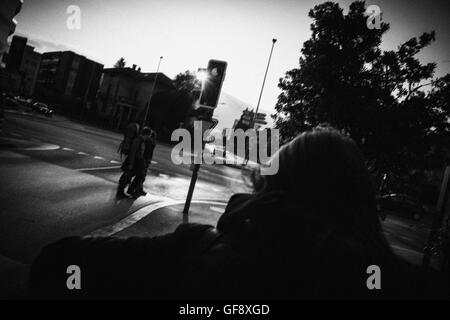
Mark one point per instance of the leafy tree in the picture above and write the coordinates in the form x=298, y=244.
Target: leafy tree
x=120, y=63
x=169, y=109
x=378, y=98
x=189, y=87
x=439, y=102
x=187, y=82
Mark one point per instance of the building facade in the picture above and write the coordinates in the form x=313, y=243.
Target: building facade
x=8, y=10
x=29, y=69
x=22, y=66
x=15, y=54
x=68, y=78
x=125, y=93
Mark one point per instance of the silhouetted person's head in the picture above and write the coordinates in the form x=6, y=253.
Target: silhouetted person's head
x=324, y=170
x=324, y=174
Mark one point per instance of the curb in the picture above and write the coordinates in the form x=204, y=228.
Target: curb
x=143, y=212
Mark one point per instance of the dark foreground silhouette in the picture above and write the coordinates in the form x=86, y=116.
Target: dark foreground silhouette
x=310, y=232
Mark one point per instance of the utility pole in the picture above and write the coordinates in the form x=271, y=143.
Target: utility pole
x=264, y=81
x=84, y=107
x=151, y=94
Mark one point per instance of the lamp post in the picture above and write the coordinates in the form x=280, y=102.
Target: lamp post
x=262, y=87
x=86, y=95
x=151, y=93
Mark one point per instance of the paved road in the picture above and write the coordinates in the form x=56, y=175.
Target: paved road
x=59, y=179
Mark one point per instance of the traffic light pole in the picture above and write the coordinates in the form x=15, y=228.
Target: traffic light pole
x=191, y=188
x=196, y=169
x=219, y=67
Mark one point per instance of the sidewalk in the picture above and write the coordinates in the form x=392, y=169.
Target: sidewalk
x=160, y=220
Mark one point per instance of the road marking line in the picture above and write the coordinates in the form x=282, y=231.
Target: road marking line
x=42, y=147
x=98, y=168
x=83, y=153
x=154, y=162
x=143, y=212
x=99, y=158
x=162, y=175
x=67, y=149
x=115, y=162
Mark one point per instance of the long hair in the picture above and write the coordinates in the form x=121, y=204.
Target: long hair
x=324, y=173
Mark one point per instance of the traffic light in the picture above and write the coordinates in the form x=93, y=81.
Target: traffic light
x=213, y=83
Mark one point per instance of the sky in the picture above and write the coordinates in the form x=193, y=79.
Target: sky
x=187, y=33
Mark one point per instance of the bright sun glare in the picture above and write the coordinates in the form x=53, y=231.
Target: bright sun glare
x=202, y=75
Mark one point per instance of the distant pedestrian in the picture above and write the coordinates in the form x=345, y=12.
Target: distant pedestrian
x=130, y=148
x=143, y=160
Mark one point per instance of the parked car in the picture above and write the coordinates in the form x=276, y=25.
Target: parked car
x=35, y=106
x=28, y=102
x=20, y=100
x=48, y=112
x=402, y=205
x=42, y=108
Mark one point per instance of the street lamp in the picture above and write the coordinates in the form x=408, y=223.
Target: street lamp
x=264, y=81
x=151, y=92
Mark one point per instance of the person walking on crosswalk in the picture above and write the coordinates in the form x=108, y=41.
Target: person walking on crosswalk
x=143, y=161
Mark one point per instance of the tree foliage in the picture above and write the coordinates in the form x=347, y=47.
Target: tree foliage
x=187, y=82
x=168, y=109
x=387, y=101
x=120, y=63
